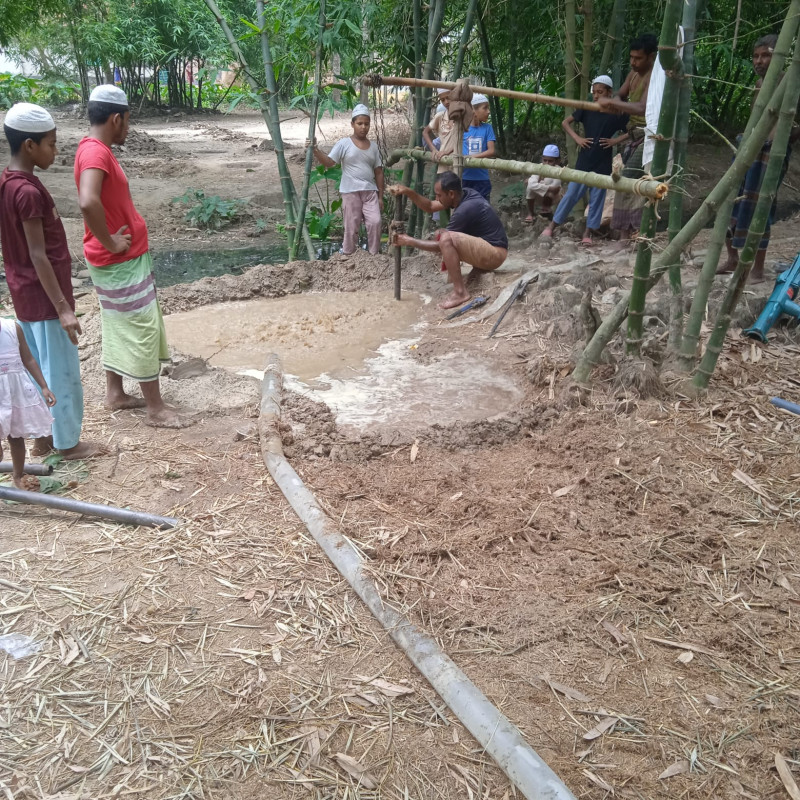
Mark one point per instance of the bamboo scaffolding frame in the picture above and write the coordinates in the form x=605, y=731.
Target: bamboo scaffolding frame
x=530, y=97
x=651, y=189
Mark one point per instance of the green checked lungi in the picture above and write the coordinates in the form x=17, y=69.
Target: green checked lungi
x=134, y=339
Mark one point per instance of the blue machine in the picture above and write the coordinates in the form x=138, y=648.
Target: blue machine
x=780, y=302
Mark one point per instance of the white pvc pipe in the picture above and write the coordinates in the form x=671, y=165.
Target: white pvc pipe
x=496, y=734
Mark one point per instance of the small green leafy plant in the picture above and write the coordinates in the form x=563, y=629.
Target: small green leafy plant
x=211, y=213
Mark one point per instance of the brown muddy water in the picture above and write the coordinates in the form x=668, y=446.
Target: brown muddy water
x=353, y=351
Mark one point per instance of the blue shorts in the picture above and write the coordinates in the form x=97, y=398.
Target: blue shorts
x=482, y=187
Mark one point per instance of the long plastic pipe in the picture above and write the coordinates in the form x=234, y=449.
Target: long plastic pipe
x=29, y=469
x=786, y=405
x=496, y=734
x=123, y=515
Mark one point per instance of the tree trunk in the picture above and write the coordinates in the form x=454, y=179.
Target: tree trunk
x=727, y=184
x=666, y=128
x=312, y=127
x=466, y=32
x=769, y=190
x=678, y=169
x=494, y=103
x=586, y=55
x=570, y=69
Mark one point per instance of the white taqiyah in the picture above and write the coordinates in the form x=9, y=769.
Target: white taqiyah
x=477, y=99
x=360, y=111
x=605, y=80
x=108, y=93
x=29, y=118
x=551, y=151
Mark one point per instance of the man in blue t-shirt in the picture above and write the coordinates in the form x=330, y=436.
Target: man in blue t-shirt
x=474, y=234
x=479, y=142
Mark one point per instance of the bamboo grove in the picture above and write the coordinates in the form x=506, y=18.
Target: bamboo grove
x=311, y=53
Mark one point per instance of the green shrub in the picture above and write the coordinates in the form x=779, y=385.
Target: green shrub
x=211, y=213
x=44, y=91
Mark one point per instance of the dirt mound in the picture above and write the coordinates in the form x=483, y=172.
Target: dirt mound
x=141, y=143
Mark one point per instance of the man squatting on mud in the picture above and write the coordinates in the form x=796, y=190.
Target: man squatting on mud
x=474, y=234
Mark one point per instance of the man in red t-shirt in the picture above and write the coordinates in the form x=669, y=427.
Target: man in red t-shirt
x=117, y=253
x=39, y=274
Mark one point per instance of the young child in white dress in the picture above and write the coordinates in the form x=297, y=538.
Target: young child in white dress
x=23, y=412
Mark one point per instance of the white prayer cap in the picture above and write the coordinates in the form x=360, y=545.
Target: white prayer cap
x=605, y=80
x=477, y=99
x=360, y=111
x=29, y=118
x=551, y=151
x=440, y=91
x=108, y=93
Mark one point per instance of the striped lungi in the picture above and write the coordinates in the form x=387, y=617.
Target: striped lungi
x=134, y=339
x=628, y=207
x=749, y=193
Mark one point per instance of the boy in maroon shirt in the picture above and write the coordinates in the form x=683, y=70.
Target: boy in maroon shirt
x=38, y=271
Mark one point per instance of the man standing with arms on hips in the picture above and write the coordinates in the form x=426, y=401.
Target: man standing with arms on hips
x=117, y=252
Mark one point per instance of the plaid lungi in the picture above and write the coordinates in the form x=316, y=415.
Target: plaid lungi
x=628, y=206
x=748, y=195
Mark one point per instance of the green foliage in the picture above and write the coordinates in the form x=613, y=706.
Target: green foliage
x=211, y=213
x=44, y=91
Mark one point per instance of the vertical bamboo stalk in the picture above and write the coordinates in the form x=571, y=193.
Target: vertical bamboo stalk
x=586, y=55
x=769, y=189
x=619, y=43
x=312, y=127
x=570, y=68
x=491, y=72
x=691, y=334
x=611, y=39
x=466, y=32
x=666, y=128
x=679, y=164
x=511, y=21
x=727, y=184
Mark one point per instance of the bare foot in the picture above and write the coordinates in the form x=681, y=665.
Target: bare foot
x=28, y=483
x=728, y=267
x=84, y=450
x=756, y=275
x=124, y=402
x=453, y=300
x=42, y=446
x=167, y=418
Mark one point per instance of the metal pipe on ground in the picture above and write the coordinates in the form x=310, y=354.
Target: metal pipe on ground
x=786, y=405
x=123, y=515
x=651, y=189
x=496, y=734
x=28, y=469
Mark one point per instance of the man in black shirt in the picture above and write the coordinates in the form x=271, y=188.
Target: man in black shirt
x=474, y=234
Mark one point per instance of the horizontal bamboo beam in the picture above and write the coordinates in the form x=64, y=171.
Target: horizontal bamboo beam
x=530, y=97
x=651, y=189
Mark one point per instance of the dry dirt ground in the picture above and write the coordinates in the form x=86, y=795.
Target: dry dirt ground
x=620, y=576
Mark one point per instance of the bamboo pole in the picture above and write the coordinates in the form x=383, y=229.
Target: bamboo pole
x=611, y=39
x=678, y=170
x=653, y=190
x=489, y=69
x=570, y=68
x=530, y=97
x=668, y=56
x=466, y=32
x=586, y=55
x=694, y=322
x=312, y=127
x=769, y=190
x=619, y=43
x=728, y=183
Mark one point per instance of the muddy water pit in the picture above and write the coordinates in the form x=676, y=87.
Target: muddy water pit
x=353, y=351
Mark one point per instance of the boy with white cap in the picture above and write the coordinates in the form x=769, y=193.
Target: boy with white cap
x=478, y=142
x=546, y=190
x=117, y=252
x=39, y=275
x=361, y=187
x=596, y=153
x=443, y=129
